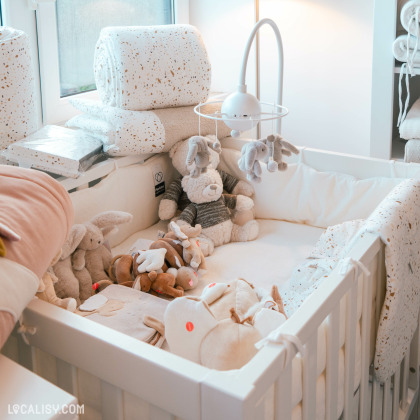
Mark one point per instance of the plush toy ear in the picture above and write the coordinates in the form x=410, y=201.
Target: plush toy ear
x=289, y=146
x=111, y=218
x=192, y=150
x=156, y=324
x=7, y=233
x=251, y=157
x=108, y=229
x=277, y=298
x=76, y=235
x=178, y=231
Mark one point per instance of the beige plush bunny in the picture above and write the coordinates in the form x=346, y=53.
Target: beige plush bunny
x=85, y=257
x=91, y=253
x=67, y=284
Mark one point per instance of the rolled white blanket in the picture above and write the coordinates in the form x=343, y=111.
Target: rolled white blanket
x=410, y=127
x=399, y=49
x=148, y=67
x=409, y=12
x=412, y=151
x=18, y=114
x=126, y=132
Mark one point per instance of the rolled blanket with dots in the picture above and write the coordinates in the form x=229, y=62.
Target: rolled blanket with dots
x=148, y=67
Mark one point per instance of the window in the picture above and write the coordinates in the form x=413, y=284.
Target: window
x=66, y=32
x=79, y=23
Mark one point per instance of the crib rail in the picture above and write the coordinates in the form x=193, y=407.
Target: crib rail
x=134, y=380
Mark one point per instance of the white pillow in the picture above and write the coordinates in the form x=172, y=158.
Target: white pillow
x=302, y=194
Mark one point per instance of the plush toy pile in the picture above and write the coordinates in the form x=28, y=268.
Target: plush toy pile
x=168, y=267
x=208, y=208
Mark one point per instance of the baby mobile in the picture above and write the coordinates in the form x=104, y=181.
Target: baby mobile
x=242, y=111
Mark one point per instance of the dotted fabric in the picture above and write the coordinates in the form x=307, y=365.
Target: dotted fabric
x=397, y=221
x=148, y=67
x=326, y=254
x=18, y=115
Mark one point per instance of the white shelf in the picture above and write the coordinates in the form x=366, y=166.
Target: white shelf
x=397, y=69
x=101, y=169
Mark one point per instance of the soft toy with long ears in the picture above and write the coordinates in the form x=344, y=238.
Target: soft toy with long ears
x=199, y=154
x=212, y=330
x=91, y=252
x=175, y=198
x=251, y=155
x=68, y=285
x=85, y=257
x=188, y=236
x=277, y=148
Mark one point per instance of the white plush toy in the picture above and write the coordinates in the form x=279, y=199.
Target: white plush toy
x=151, y=260
x=193, y=331
x=210, y=209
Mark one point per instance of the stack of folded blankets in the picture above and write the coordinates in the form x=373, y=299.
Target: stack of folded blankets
x=410, y=130
x=149, y=79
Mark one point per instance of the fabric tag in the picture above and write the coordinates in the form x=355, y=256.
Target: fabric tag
x=159, y=179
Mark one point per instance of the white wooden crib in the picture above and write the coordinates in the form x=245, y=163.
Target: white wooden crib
x=119, y=377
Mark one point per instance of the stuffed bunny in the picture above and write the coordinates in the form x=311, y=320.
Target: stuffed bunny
x=277, y=147
x=91, y=252
x=198, y=152
x=251, y=155
x=85, y=257
x=67, y=284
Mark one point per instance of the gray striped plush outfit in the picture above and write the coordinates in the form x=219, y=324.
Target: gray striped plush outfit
x=209, y=214
x=177, y=194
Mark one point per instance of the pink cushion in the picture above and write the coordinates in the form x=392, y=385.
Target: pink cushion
x=39, y=210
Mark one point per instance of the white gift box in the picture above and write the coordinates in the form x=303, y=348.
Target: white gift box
x=56, y=149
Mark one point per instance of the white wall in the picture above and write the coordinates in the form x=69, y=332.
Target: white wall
x=328, y=64
x=225, y=27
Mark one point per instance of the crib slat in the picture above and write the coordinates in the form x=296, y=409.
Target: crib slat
x=386, y=405
x=414, y=360
x=310, y=377
x=333, y=348
x=351, y=323
x=396, y=395
x=376, y=388
x=404, y=382
x=111, y=402
x=283, y=394
x=67, y=377
x=364, y=403
x=157, y=413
